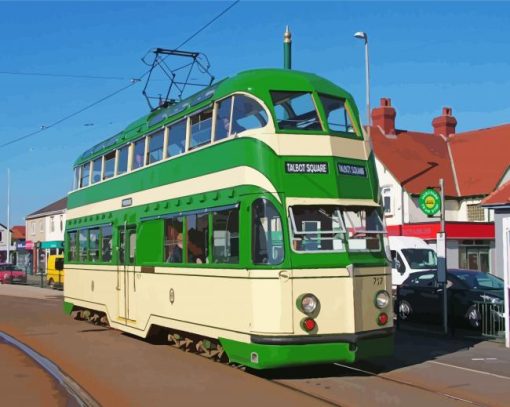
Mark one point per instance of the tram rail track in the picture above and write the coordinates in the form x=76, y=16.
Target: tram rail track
x=306, y=386
x=70, y=386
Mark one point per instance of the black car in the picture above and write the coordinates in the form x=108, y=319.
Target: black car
x=469, y=294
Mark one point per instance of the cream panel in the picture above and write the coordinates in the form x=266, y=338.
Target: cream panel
x=223, y=179
x=204, y=305
x=313, y=145
x=272, y=304
x=365, y=290
x=336, y=313
x=330, y=201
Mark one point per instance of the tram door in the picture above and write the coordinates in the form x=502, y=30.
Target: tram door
x=126, y=283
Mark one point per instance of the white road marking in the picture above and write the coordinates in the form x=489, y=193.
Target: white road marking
x=470, y=370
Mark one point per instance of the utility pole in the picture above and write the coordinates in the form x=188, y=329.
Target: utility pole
x=9, y=237
x=441, y=259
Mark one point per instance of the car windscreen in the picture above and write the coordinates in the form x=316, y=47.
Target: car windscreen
x=421, y=259
x=480, y=280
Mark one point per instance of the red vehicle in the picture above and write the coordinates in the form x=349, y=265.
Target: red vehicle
x=10, y=274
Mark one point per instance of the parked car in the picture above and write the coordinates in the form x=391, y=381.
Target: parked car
x=9, y=273
x=421, y=297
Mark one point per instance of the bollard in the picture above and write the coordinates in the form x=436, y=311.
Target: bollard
x=42, y=278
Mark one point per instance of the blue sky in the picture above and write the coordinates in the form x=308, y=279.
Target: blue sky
x=424, y=55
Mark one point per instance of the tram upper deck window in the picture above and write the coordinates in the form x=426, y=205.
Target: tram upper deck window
x=138, y=154
x=155, y=152
x=176, y=138
x=317, y=228
x=76, y=183
x=267, y=233
x=295, y=111
x=245, y=113
x=122, y=162
x=109, y=165
x=96, y=169
x=85, y=174
x=201, y=126
x=336, y=114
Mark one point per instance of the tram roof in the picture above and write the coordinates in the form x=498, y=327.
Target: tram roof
x=257, y=82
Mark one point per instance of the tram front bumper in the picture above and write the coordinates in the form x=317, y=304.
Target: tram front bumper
x=268, y=352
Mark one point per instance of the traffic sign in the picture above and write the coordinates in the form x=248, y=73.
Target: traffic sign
x=430, y=202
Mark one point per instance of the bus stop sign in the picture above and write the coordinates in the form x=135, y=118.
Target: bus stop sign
x=429, y=202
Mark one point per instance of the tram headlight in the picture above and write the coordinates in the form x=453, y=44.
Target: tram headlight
x=308, y=303
x=382, y=299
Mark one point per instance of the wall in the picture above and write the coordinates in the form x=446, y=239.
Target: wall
x=500, y=214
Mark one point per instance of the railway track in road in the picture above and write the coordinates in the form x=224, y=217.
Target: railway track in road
x=346, y=386
x=75, y=392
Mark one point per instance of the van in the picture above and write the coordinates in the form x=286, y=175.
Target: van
x=55, y=275
x=409, y=255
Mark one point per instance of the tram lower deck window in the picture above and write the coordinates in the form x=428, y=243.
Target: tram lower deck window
x=267, y=233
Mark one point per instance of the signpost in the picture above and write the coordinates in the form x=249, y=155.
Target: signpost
x=430, y=203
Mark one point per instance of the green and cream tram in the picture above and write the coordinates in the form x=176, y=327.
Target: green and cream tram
x=244, y=220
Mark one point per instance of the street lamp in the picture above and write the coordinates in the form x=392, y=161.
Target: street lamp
x=363, y=36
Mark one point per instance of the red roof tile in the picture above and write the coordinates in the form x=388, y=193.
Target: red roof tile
x=416, y=160
x=18, y=232
x=474, y=160
x=481, y=158
x=500, y=196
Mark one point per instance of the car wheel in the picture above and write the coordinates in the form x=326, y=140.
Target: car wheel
x=51, y=283
x=404, y=310
x=474, y=317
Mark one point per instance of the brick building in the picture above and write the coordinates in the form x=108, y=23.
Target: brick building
x=472, y=164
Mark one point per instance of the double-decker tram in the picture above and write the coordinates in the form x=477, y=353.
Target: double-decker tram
x=243, y=221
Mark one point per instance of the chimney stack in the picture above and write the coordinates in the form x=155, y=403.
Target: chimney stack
x=384, y=116
x=445, y=124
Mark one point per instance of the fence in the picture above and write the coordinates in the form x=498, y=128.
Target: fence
x=492, y=319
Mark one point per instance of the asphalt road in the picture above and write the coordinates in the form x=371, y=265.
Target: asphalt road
x=118, y=369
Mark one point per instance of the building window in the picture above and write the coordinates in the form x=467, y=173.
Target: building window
x=41, y=224
x=474, y=255
x=33, y=228
x=52, y=224
x=387, y=201
x=61, y=223
x=475, y=213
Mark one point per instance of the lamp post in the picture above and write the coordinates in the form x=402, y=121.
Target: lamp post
x=363, y=36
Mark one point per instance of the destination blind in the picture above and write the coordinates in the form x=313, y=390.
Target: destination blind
x=306, y=168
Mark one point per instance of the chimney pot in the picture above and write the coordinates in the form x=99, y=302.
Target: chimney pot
x=444, y=124
x=384, y=116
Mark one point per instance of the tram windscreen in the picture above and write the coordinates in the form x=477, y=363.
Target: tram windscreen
x=330, y=228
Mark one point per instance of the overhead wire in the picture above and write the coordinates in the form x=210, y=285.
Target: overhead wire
x=49, y=126
x=132, y=83
x=63, y=75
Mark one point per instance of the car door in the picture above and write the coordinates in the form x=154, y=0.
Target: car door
x=428, y=296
